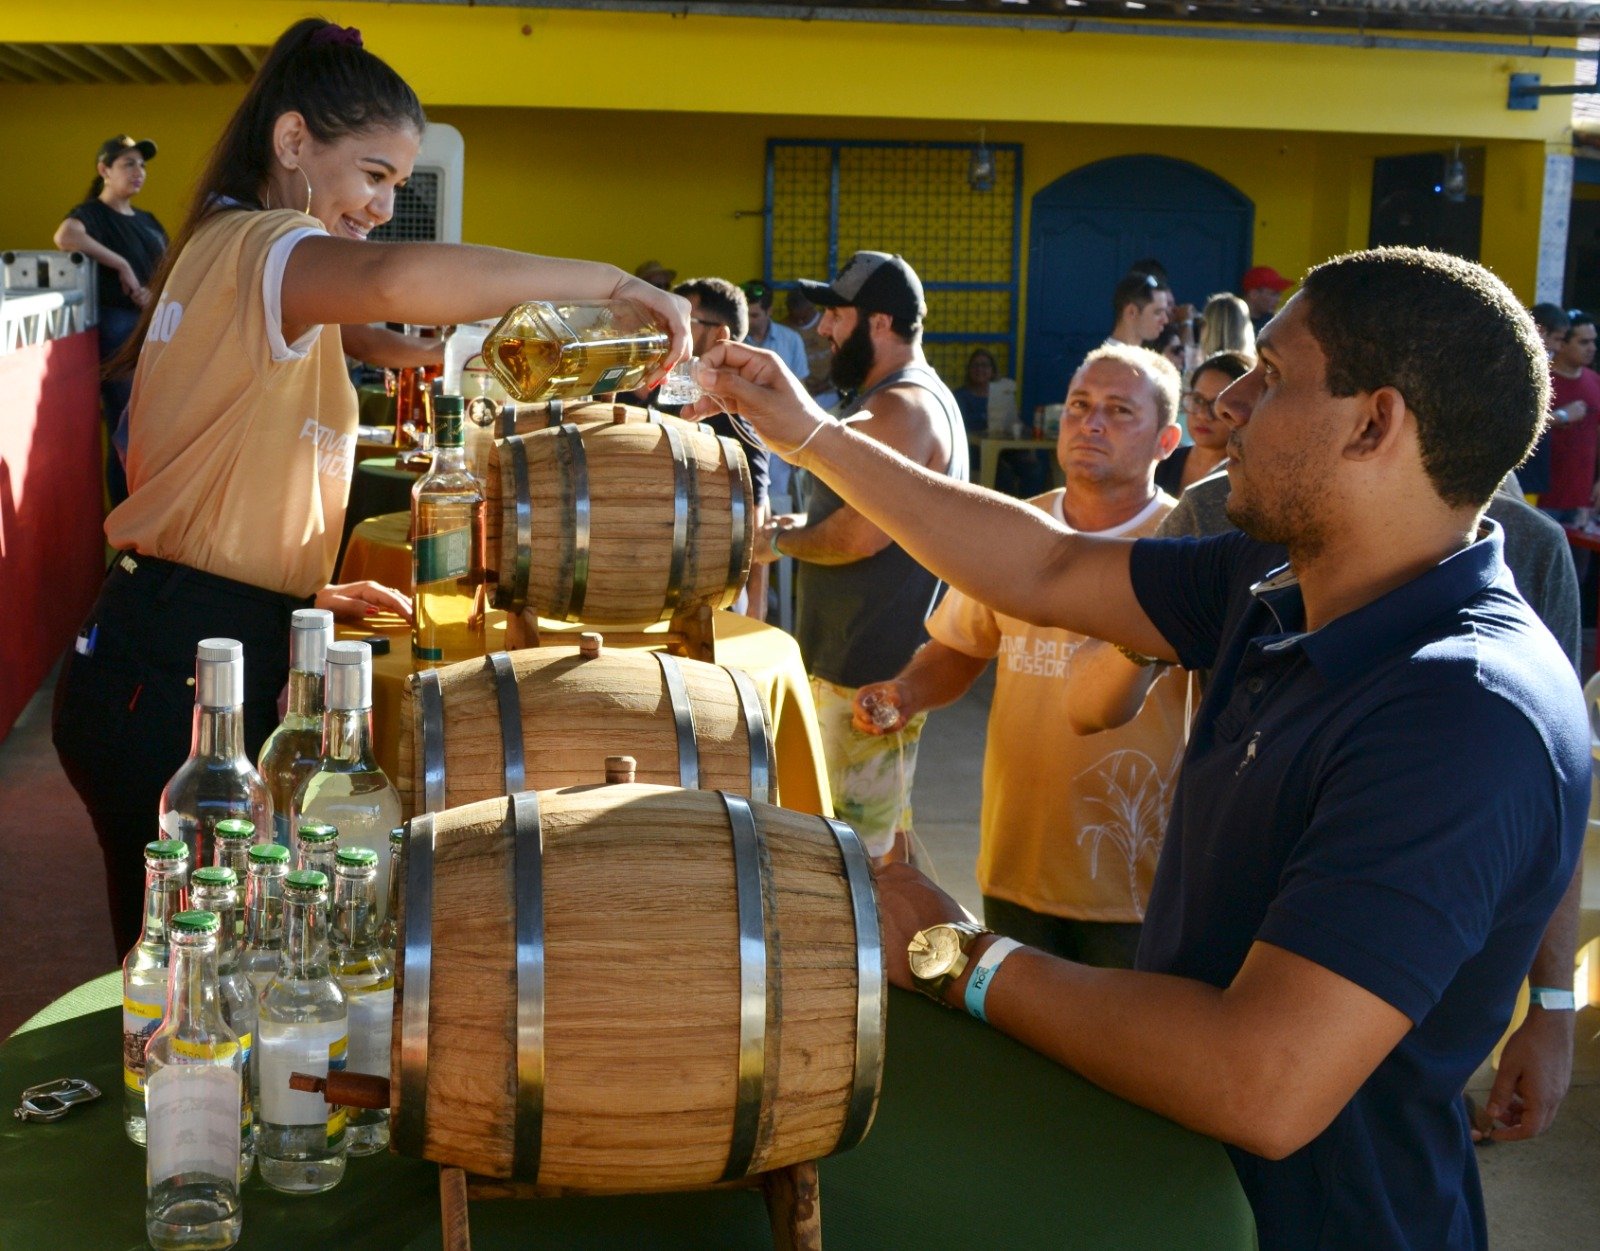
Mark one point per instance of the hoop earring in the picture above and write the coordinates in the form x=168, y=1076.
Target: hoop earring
x=307, y=177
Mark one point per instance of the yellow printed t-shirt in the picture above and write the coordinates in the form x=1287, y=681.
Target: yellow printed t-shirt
x=241, y=446
x=1071, y=825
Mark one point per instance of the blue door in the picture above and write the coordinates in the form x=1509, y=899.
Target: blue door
x=1090, y=225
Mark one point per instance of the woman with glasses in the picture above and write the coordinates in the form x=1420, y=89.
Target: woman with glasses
x=1193, y=461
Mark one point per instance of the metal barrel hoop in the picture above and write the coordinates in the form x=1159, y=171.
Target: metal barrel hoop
x=682, y=720
x=757, y=735
x=575, y=503
x=509, y=704
x=527, y=835
x=411, y=1121
x=522, y=567
x=431, y=708
x=683, y=491
x=739, y=481
x=870, y=986
x=752, y=1112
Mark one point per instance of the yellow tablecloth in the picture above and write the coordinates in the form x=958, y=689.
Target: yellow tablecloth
x=766, y=653
x=379, y=549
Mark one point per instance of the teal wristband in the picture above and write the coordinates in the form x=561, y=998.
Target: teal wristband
x=1552, y=999
x=776, y=535
x=983, y=974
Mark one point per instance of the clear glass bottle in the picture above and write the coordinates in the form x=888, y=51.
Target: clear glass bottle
x=303, y=1028
x=448, y=557
x=349, y=790
x=235, y=836
x=366, y=976
x=144, y=972
x=290, y=754
x=316, y=843
x=389, y=928
x=217, y=780
x=542, y=351
x=216, y=889
x=263, y=915
x=195, y=1094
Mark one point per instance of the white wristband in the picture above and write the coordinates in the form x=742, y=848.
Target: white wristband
x=815, y=431
x=983, y=974
x=1551, y=999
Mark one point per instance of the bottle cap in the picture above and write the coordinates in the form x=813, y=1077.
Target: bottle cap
x=236, y=827
x=219, y=673
x=308, y=879
x=397, y=835
x=349, y=684
x=357, y=858
x=166, y=849
x=217, y=875
x=269, y=853
x=193, y=922
x=310, y=632
x=317, y=832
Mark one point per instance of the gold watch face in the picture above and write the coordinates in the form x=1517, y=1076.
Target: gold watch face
x=933, y=951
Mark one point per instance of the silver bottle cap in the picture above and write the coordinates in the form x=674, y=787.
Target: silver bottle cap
x=311, y=630
x=349, y=681
x=219, y=673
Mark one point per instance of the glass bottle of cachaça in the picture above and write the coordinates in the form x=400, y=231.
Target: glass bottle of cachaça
x=367, y=978
x=349, y=790
x=448, y=555
x=303, y=1028
x=290, y=754
x=217, y=780
x=542, y=351
x=263, y=915
x=316, y=843
x=389, y=927
x=216, y=889
x=144, y=972
x=235, y=836
x=195, y=1098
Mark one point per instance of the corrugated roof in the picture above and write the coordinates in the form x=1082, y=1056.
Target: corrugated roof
x=128, y=62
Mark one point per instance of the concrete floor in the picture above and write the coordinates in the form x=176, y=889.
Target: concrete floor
x=1541, y=1195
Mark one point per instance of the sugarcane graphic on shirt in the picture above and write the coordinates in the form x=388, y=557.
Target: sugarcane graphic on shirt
x=1137, y=798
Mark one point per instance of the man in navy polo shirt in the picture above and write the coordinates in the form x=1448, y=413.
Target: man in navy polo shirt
x=1385, y=791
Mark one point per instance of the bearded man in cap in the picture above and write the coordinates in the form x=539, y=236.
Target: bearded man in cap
x=862, y=599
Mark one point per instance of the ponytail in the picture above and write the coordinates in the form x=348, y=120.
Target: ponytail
x=316, y=69
x=95, y=188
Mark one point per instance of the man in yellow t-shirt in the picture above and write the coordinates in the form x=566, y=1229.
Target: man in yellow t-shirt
x=1070, y=826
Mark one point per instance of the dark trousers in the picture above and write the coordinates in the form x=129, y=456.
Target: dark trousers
x=1106, y=944
x=124, y=707
x=116, y=324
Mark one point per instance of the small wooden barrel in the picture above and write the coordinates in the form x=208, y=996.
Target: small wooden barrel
x=634, y=988
x=619, y=521
x=543, y=718
x=514, y=418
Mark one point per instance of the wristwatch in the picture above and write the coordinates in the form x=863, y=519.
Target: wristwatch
x=938, y=955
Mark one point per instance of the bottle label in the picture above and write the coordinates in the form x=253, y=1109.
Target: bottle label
x=371, y=1025
x=317, y=1048
x=447, y=430
x=610, y=379
x=142, y=1007
x=193, y=1113
x=442, y=557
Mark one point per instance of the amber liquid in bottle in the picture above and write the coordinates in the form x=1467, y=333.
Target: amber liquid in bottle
x=541, y=352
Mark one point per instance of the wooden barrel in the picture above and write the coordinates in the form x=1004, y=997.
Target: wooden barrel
x=634, y=988
x=513, y=418
x=619, y=521
x=542, y=718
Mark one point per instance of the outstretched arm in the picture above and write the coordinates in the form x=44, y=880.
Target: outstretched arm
x=1002, y=552
x=389, y=349
x=936, y=675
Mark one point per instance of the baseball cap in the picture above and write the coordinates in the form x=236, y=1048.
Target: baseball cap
x=874, y=282
x=656, y=273
x=1264, y=276
x=115, y=146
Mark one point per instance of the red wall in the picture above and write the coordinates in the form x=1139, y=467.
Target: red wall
x=52, y=548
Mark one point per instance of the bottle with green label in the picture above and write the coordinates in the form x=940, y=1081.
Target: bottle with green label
x=303, y=1027
x=290, y=754
x=144, y=972
x=448, y=556
x=216, y=889
x=195, y=1097
x=366, y=976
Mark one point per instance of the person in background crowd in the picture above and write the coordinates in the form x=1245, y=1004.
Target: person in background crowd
x=1169, y=344
x=718, y=314
x=861, y=599
x=973, y=395
x=656, y=274
x=771, y=335
x=1193, y=461
x=1534, y=473
x=1262, y=288
x=1140, y=306
x=1225, y=327
x=1071, y=827
x=1385, y=791
x=127, y=243
x=242, y=437
x=803, y=317
x=1574, y=429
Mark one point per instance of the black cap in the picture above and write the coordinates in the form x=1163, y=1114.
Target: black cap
x=874, y=282
x=115, y=146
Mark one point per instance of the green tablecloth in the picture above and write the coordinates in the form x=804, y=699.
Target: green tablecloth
x=979, y=1143
x=378, y=486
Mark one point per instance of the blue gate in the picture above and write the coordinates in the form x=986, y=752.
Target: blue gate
x=1090, y=225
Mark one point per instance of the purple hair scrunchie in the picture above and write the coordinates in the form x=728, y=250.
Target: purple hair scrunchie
x=344, y=36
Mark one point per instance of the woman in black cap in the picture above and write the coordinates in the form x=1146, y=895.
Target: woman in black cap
x=128, y=243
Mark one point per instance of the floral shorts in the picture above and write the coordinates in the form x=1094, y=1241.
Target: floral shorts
x=870, y=774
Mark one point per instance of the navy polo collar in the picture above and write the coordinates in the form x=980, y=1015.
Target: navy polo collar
x=1355, y=641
